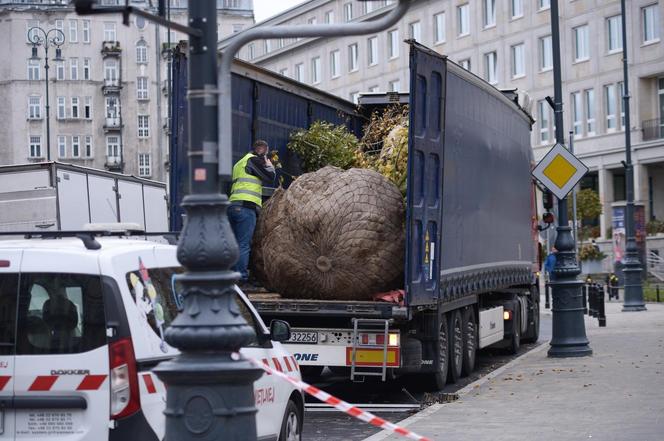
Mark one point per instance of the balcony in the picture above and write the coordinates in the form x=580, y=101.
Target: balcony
x=112, y=123
x=114, y=163
x=111, y=49
x=111, y=86
x=653, y=129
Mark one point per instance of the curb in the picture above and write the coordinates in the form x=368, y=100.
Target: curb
x=464, y=391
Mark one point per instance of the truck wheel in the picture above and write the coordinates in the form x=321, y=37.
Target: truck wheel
x=469, y=341
x=532, y=335
x=456, y=346
x=515, y=341
x=439, y=378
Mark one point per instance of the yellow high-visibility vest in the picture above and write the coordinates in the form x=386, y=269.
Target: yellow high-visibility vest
x=246, y=187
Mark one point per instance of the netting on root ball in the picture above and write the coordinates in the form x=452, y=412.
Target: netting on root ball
x=334, y=234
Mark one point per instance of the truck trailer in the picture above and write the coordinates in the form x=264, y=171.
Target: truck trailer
x=471, y=264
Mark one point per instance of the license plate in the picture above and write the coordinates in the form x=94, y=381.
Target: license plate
x=303, y=337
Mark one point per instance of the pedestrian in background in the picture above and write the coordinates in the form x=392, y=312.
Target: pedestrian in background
x=550, y=263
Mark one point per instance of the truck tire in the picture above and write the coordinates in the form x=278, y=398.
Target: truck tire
x=532, y=334
x=469, y=341
x=515, y=340
x=439, y=378
x=456, y=346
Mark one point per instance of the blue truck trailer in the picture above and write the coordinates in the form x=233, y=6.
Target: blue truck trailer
x=471, y=264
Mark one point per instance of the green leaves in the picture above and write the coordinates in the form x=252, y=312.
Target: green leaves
x=324, y=144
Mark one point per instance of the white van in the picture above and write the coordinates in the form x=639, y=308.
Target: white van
x=80, y=331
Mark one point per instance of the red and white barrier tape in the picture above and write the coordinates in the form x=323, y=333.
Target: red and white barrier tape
x=338, y=404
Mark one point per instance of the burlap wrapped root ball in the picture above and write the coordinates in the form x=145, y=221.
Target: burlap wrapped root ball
x=334, y=235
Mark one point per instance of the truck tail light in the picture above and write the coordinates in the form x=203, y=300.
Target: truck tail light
x=507, y=314
x=125, y=398
x=379, y=339
x=5, y=263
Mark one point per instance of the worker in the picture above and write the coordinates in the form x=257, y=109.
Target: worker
x=550, y=263
x=249, y=175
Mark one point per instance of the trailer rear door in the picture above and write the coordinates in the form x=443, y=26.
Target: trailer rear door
x=425, y=175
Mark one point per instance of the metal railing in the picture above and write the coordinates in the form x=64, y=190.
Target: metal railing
x=652, y=129
x=655, y=265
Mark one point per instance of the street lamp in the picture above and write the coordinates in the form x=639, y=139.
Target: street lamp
x=53, y=37
x=632, y=267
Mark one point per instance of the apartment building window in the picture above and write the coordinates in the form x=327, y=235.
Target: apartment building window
x=60, y=70
x=490, y=67
x=463, y=20
x=315, y=70
x=544, y=4
x=60, y=26
x=142, y=88
x=335, y=64
x=329, y=17
x=374, y=89
x=610, y=102
x=111, y=70
x=415, y=31
x=439, y=28
x=268, y=46
x=143, y=126
x=34, y=146
x=109, y=31
x=112, y=107
x=581, y=43
x=373, y=50
x=144, y=166
x=489, y=10
x=62, y=112
x=614, y=33
x=87, y=148
x=141, y=52
x=85, y=27
x=86, y=68
x=650, y=23
x=621, y=104
x=577, y=114
x=393, y=43
x=75, y=146
x=284, y=72
x=73, y=31
x=465, y=63
x=252, y=51
x=546, y=53
x=73, y=69
x=516, y=8
x=518, y=61
x=352, y=58
x=75, y=104
x=34, y=70
x=34, y=107
x=299, y=72
x=237, y=28
x=62, y=146
x=354, y=97
x=590, y=111
x=543, y=113
x=33, y=34
x=87, y=108
x=113, y=149
x=348, y=11
x=394, y=86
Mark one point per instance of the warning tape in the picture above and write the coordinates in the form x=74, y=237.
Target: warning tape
x=341, y=405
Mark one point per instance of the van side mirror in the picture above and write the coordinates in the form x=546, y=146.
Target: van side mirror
x=279, y=331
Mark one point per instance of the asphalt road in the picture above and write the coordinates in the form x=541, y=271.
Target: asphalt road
x=326, y=426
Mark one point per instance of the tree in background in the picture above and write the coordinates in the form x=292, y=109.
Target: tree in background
x=588, y=208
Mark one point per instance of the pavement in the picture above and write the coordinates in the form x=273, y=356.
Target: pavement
x=615, y=394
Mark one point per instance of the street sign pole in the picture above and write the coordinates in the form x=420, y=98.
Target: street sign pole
x=569, y=332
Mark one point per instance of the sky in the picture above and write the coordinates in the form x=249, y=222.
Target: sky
x=267, y=8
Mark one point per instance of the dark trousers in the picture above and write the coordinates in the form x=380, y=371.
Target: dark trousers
x=243, y=222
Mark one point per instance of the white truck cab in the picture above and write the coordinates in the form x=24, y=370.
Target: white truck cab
x=80, y=331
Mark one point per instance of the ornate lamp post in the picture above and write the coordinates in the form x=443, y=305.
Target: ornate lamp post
x=40, y=37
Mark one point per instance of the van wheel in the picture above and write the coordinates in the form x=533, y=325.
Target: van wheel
x=456, y=346
x=439, y=378
x=291, y=427
x=469, y=341
x=515, y=341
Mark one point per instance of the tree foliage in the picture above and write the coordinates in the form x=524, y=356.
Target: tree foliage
x=588, y=208
x=324, y=144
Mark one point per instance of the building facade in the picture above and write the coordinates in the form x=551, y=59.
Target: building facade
x=107, y=95
x=508, y=43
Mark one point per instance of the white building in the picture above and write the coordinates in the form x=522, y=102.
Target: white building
x=108, y=106
x=509, y=44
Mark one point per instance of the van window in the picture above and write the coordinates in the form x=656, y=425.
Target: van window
x=159, y=302
x=8, y=293
x=60, y=314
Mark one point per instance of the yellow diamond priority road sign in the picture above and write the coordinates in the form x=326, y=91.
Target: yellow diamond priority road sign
x=559, y=171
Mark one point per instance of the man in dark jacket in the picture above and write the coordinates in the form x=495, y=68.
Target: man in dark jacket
x=249, y=175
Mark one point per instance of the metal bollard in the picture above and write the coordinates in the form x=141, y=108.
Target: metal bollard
x=601, y=316
x=658, y=294
x=592, y=298
x=547, y=296
x=584, y=293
